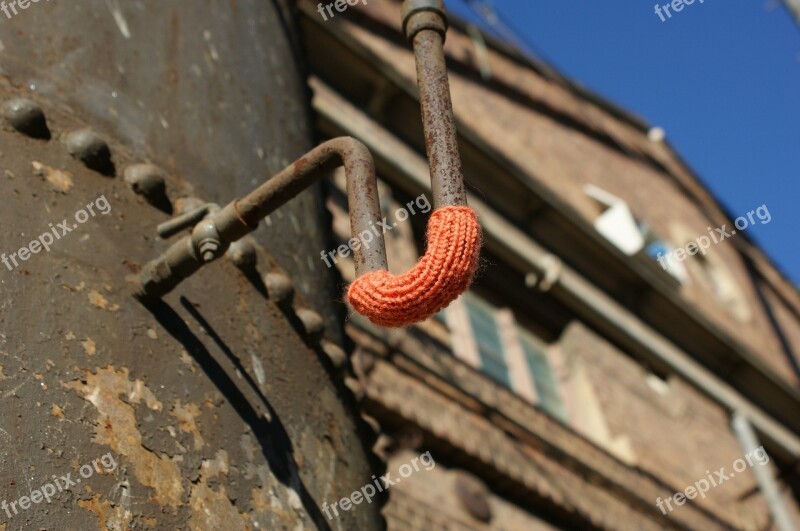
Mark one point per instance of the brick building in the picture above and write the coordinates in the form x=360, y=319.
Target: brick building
x=579, y=381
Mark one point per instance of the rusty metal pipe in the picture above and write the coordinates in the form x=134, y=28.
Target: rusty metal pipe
x=212, y=236
x=425, y=25
x=242, y=215
x=452, y=255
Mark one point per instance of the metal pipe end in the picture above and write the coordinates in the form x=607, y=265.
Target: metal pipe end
x=148, y=284
x=143, y=289
x=435, y=19
x=136, y=288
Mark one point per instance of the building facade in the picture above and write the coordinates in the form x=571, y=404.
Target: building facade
x=626, y=359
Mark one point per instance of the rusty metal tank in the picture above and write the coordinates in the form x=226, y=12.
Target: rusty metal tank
x=219, y=407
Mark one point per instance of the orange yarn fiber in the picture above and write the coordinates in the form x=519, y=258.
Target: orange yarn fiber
x=438, y=278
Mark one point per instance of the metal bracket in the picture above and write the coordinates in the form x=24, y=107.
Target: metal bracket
x=186, y=220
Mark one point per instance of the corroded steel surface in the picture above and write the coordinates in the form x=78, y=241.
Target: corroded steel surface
x=426, y=30
x=219, y=406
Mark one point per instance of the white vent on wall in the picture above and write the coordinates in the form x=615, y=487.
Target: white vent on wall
x=616, y=223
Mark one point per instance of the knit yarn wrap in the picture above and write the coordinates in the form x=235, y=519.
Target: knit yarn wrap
x=439, y=277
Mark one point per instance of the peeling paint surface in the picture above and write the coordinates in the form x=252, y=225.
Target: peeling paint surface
x=58, y=179
x=97, y=299
x=212, y=508
x=186, y=415
x=117, y=428
x=108, y=517
x=89, y=346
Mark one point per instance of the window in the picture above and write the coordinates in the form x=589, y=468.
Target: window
x=546, y=387
x=491, y=340
x=711, y=272
x=487, y=336
x=657, y=248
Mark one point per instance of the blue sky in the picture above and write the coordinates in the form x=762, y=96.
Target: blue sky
x=722, y=78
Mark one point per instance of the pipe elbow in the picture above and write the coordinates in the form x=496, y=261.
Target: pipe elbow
x=439, y=277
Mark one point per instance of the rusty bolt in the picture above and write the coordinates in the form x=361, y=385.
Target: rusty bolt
x=312, y=322
x=149, y=181
x=355, y=387
x=373, y=423
x=88, y=147
x=279, y=286
x=337, y=356
x=207, y=240
x=208, y=250
x=27, y=117
x=473, y=495
x=242, y=253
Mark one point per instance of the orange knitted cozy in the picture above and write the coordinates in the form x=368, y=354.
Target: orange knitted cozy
x=440, y=276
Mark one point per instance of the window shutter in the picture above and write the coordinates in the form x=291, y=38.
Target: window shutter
x=546, y=386
x=519, y=373
x=487, y=337
x=464, y=345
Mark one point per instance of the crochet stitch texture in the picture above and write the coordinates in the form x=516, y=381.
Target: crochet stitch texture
x=439, y=277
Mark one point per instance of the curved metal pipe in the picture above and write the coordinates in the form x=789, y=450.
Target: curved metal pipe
x=454, y=235
x=211, y=237
x=242, y=216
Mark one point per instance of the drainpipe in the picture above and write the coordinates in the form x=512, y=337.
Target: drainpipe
x=766, y=482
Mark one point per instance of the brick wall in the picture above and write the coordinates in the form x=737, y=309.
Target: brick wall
x=427, y=501
x=675, y=432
